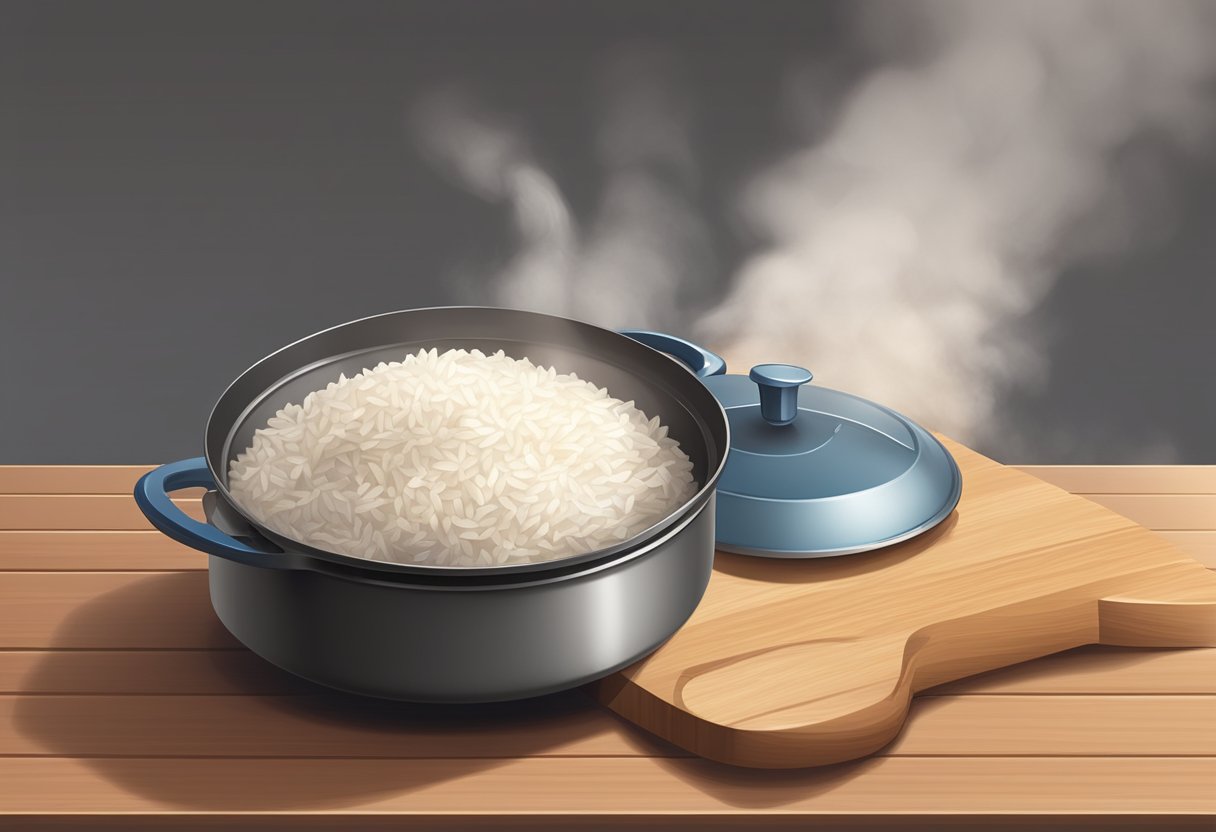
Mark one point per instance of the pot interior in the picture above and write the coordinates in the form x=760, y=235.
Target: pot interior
x=630, y=371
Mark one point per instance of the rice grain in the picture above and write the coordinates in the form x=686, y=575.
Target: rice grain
x=461, y=459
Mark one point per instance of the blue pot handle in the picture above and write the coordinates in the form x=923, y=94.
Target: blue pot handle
x=701, y=361
x=152, y=496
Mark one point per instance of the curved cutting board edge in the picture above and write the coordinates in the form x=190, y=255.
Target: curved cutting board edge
x=820, y=666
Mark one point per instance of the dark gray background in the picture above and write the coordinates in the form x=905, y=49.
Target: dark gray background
x=187, y=186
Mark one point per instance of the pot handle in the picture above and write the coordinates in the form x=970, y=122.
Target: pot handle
x=701, y=361
x=152, y=497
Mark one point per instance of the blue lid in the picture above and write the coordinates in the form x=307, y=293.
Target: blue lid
x=814, y=472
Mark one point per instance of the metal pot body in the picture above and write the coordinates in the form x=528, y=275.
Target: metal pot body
x=455, y=634
x=439, y=644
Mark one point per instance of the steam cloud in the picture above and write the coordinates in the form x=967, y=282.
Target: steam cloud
x=939, y=199
x=645, y=241
x=953, y=188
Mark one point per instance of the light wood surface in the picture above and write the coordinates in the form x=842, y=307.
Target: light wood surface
x=1085, y=670
x=125, y=704
x=32, y=481
x=321, y=725
x=70, y=479
x=812, y=662
x=149, y=550
x=95, y=551
x=634, y=791
x=80, y=511
x=1127, y=479
x=1166, y=512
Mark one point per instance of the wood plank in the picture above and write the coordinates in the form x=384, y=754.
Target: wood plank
x=75, y=511
x=1086, y=670
x=70, y=479
x=1097, y=669
x=120, y=610
x=333, y=725
x=1127, y=479
x=478, y=785
x=93, y=550
x=1010, y=725
x=119, y=512
x=628, y=790
x=138, y=610
x=90, y=550
x=1163, y=512
x=43, y=551
x=1079, y=479
x=1186, y=512
x=314, y=725
x=165, y=672
x=1199, y=545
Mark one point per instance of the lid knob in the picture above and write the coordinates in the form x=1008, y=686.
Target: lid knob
x=779, y=385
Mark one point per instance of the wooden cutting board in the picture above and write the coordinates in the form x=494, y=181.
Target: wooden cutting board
x=791, y=663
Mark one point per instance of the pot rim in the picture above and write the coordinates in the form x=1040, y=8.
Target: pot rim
x=445, y=574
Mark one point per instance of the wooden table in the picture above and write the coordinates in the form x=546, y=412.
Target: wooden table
x=127, y=703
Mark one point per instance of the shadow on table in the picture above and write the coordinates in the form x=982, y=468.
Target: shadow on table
x=256, y=738
x=246, y=750
x=243, y=735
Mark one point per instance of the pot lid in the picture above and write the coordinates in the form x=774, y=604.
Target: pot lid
x=814, y=472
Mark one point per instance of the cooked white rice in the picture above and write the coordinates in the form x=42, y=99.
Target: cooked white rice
x=461, y=459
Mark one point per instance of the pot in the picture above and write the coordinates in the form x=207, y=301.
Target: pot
x=430, y=633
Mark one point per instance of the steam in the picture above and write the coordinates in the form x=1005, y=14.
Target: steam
x=953, y=188
x=491, y=158
x=645, y=242
x=935, y=201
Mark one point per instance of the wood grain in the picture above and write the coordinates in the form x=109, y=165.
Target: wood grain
x=313, y=725
x=1127, y=479
x=98, y=610
x=1199, y=545
x=1005, y=725
x=621, y=789
x=95, y=551
x=1093, y=670
x=1077, y=479
x=119, y=512
x=75, y=511
x=111, y=649
x=797, y=663
x=70, y=479
x=1097, y=669
x=131, y=610
x=327, y=725
x=1163, y=512
x=171, y=672
x=150, y=550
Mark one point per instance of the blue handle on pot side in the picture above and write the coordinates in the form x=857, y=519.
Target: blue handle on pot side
x=701, y=361
x=152, y=496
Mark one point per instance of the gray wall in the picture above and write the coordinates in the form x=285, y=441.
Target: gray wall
x=186, y=186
